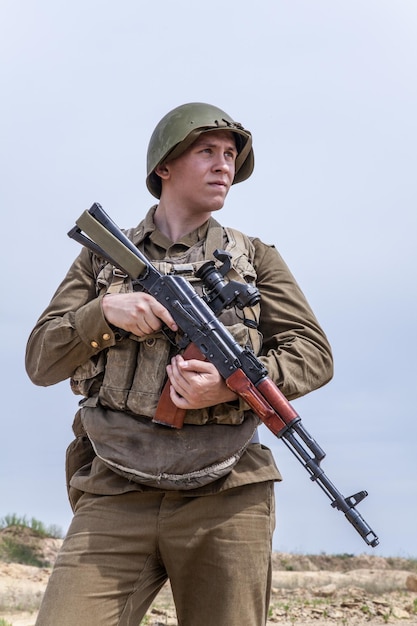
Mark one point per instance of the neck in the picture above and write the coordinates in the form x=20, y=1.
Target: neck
x=174, y=222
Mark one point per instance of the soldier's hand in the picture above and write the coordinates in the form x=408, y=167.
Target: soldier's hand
x=137, y=312
x=196, y=384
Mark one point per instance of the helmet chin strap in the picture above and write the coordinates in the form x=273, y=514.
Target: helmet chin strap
x=242, y=155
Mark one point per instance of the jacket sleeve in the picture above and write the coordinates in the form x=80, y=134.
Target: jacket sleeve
x=71, y=330
x=295, y=349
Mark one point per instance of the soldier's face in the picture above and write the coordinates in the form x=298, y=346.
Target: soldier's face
x=202, y=176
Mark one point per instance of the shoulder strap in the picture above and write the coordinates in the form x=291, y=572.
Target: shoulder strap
x=240, y=245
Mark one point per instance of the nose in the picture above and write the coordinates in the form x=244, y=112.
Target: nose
x=222, y=164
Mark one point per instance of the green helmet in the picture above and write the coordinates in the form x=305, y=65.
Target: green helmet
x=181, y=127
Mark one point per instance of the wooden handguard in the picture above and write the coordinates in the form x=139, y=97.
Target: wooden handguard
x=266, y=400
x=167, y=413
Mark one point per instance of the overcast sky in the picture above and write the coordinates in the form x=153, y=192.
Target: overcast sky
x=329, y=90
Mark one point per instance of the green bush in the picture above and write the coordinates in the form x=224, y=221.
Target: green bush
x=13, y=551
x=38, y=527
x=22, y=547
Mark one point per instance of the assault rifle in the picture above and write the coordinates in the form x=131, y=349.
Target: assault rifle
x=195, y=316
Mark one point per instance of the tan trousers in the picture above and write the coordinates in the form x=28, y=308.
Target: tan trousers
x=120, y=550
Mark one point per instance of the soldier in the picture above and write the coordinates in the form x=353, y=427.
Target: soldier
x=210, y=536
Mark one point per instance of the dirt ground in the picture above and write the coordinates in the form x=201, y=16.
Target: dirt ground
x=319, y=589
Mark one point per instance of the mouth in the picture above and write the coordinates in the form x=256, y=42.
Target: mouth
x=219, y=184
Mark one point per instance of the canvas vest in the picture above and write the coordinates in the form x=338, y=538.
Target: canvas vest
x=130, y=375
x=122, y=385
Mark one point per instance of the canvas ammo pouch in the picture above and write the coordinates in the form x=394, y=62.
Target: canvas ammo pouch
x=164, y=457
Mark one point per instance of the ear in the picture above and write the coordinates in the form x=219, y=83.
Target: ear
x=162, y=170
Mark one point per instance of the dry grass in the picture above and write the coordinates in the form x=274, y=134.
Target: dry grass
x=339, y=590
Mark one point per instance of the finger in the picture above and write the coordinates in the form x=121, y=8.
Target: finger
x=177, y=399
x=196, y=365
x=162, y=314
x=177, y=379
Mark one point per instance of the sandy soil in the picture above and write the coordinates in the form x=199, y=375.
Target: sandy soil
x=321, y=590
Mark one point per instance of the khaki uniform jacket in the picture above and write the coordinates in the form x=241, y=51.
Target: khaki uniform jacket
x=72, y=331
